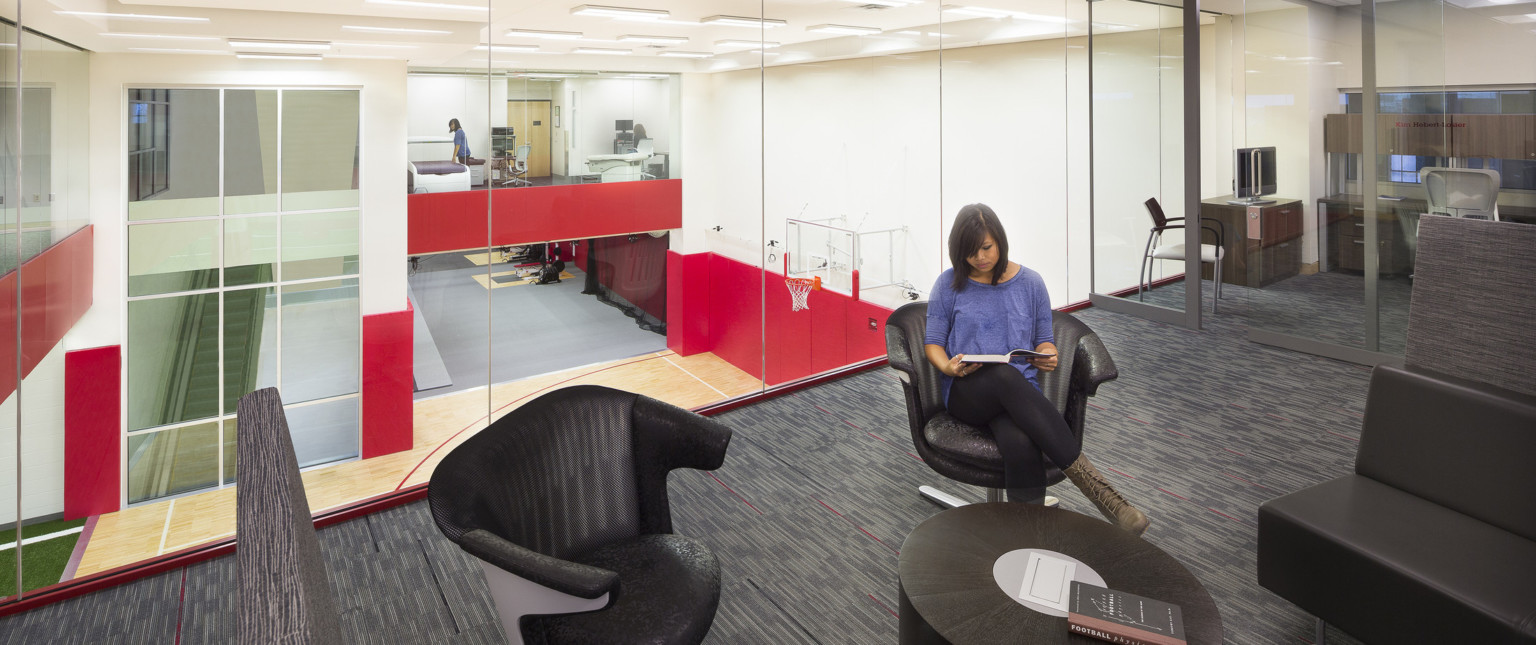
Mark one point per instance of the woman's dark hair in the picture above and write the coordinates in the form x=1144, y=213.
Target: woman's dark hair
x=640, y=132
x=971, y=228
x=453, y=124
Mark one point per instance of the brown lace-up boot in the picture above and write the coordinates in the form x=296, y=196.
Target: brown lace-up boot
x=1105, y=497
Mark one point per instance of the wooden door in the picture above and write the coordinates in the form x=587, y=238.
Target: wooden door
x=530, y=120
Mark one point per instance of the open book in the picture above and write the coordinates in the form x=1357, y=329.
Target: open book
x=1005, y=358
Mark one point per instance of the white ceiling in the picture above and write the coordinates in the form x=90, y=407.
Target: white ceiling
x=919, y=27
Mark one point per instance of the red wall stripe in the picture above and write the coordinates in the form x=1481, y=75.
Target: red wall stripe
x=92, y=431
x=55, y=293
x=388, y=358
x=455, y=221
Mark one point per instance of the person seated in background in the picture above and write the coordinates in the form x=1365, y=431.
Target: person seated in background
x=634, y=144
x=986, y=304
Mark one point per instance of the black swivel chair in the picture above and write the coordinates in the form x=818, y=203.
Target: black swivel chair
x=967, y=453
x=564, y=501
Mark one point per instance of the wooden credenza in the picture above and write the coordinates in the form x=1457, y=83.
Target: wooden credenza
x=1342, y=220
x=1262, y=247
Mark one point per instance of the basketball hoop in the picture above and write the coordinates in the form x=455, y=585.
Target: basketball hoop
x=800, y=291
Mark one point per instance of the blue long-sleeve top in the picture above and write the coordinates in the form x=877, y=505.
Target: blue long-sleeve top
x=990, y=319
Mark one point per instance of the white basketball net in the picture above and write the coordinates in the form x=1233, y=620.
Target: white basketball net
x=799, y=292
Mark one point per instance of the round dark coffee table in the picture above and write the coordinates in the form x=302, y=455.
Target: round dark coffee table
x=948, y=594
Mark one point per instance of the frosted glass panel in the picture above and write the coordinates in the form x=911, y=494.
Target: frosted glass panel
x=319, y=245
x=320, y=340
x=320, y=149
x=250, y=250
x=173, y=256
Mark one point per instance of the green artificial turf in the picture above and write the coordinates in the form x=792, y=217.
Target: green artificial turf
x=42, y=562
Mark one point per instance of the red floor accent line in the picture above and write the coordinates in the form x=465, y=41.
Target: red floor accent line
x=1225, y=515
x=79, y=552
x=1119, y=473
x=510, y=403
x=1237, y=406
x=1342, y=435
x=1138, y=420
x=855, y=525
x=1178, y=433
x=733, y=492
x=1095, y=406
x=1235, y=452
x=882, y=605
x=1276, y=416
x=1171, y=493
x=1247, y=482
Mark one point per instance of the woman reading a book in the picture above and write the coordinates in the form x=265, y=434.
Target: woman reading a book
x=987, y=304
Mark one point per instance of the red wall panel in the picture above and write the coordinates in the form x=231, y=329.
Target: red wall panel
x=688, y=303
x=454, y=221
x=92, y=431
x=388, y=382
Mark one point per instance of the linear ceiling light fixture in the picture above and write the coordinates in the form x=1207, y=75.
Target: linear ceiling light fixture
x=655, y=77
x=132, y=16
x=168, y=50
x=983, y=12
x=158, y=36
x=731, y=42
x=394, y=30
x=603, y=51
x=846, y=30
x=660, y=40
x=552, y=35
x=278, y=56
x=677, y=54
x=507, y=48
x=547, y=75
x=889, y=3
x=739, y=21
x=430, y=5
x=618, y=12
x=280, y=44
x=382, y=45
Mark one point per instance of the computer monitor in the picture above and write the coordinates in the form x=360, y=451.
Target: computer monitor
x=1253, y=175
x=624, y=125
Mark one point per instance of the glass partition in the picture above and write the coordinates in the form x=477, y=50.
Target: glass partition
x=1137, y=91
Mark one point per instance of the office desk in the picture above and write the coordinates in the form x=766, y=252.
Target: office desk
x=1262, y=249
x=948, y=594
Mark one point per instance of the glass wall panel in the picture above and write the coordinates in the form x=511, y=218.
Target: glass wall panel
x=319, y=245
x=1138, y=151
x=173, y=360
x=250, y=342
x=320, y=131
x=11, y=514
x=172, y=461
x=173, y=256
x=250, y=151
x=320, y=340
x=324, y=432
x=173, y=156
x=250, y=250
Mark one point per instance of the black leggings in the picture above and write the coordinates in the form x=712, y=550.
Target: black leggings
x=1022, y=420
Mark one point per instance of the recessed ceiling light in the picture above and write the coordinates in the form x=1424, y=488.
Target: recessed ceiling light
x=552, y=35
x=739, y=21
x=602, y=51
x=279, y=44
x=278, y=56
x=547, y=75
x=618, y=12
x=507, y=48
x=430, y=5
x=660, y=40
x=763, y=44
x=848, y=30
x=394, y=30
x=676, y=54
x=159, y=36
x=132, y=16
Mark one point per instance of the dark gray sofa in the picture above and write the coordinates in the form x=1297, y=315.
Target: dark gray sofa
x=1432, y=539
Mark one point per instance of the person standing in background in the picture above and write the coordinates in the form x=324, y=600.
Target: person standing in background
x=460, y=142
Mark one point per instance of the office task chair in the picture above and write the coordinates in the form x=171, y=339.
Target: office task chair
x=1212, y=253
x=564, y=501
x=284, y=595
x=967, y=453
x=1461, y=192
x=646, y=147
x=519, y=171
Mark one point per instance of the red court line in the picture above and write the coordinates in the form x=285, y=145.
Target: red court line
x=514, y=401
x=882, y=605
x=733, y=492
x=860, y=528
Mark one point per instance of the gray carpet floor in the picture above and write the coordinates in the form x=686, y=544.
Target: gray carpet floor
x=819, y=489
x=534, y=329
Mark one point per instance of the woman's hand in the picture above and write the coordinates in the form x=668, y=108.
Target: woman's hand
x=1045, y=364
x=958, y=368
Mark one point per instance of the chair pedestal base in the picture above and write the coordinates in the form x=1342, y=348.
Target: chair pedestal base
x=950, y=501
